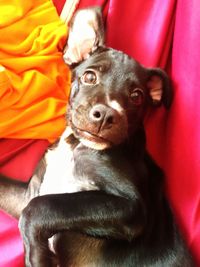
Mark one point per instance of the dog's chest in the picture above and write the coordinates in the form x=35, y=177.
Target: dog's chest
x=59, y=176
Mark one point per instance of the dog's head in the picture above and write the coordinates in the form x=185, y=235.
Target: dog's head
x=110, y=91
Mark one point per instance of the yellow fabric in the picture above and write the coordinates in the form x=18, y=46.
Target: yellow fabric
x=34, y=81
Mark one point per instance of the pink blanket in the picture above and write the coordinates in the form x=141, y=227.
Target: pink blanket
x=157, y=33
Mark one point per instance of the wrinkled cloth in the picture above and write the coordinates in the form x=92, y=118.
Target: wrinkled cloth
x=34, y=81
x=157, y=33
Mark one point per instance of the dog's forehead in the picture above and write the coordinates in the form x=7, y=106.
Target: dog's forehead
x=110, y=59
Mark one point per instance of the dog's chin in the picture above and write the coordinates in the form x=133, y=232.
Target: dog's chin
x=94, y=145
x=92, y=141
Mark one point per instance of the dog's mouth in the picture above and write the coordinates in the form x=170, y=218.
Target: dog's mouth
x=91, y=140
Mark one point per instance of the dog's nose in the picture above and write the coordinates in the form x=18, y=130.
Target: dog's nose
x=102, y=114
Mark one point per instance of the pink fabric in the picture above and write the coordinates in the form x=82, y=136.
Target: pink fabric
x=183, y=151
x=18, y=158
x=10, y=243
x=157, y=33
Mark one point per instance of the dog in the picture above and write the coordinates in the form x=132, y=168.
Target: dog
x=96, y=198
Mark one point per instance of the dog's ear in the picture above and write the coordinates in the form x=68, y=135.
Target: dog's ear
x=159, y=86
x=86, y=34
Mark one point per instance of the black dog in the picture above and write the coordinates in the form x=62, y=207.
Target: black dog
x=109, y=209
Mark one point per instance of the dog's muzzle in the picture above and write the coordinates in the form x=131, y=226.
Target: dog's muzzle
x=99, y=127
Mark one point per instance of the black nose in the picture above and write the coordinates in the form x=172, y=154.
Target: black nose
x=101, y=114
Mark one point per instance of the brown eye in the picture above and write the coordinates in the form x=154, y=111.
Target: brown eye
x=89, y=77
x=137, y=96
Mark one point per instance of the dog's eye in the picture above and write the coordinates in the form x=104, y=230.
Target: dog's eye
x=89, y=77
x=137, y=96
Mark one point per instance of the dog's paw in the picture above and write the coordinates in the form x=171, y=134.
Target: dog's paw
x=36, y=247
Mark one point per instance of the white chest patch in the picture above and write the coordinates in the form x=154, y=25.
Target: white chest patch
x=59, y=177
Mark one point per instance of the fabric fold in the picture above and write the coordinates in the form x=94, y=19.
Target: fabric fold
x=35, y=94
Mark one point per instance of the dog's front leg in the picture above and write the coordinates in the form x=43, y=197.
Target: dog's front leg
x=15, y=195
x=94, y=213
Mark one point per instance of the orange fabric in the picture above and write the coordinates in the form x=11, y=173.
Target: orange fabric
x=34, y=81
